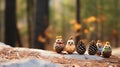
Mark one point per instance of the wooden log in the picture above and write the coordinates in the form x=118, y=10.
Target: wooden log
x=24, y=57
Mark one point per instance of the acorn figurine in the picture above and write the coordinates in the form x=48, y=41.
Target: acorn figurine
x=92, y=50
x=70, y=46
x=106, y=52
x=59, y=44
x=99, y=47
x=80, y=47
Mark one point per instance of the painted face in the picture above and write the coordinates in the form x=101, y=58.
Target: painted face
x=70, y=42
x=99, y=44
x=59, y=41
x=99, y=48
x=107, y=48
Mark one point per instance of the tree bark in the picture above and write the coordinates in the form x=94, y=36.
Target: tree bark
x=10, y=22
x=78, y=36
x=41, y=23
x=0, y=21
x=30, y=20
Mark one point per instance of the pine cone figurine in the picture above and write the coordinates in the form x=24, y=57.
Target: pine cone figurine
x=92, y=50
x=59, y=44
x=107, y=50
x=99, y=47
x=70, y=46
x=80, y=47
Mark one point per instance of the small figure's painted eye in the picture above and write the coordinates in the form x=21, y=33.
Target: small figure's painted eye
x=57, y=40
x=71, y=42
x=68, y=42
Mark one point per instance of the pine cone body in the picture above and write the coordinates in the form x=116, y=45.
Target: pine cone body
x=92, y=50
x=59, y=44
x=80, y=47
x=58, y=47
x=106, y=54
x=107, y=50
x=70, y=46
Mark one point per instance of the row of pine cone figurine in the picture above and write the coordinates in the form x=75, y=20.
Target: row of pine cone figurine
x=80, y=47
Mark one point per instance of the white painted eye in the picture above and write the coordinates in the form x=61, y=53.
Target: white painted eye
x=71, y=42
x=68, y=42
x=61, y=40
x=57, y=40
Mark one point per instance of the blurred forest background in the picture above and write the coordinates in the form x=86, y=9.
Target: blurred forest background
x=36, y=23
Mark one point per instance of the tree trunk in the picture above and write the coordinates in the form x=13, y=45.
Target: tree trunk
x=1, y=21
x=78, y=36
x=41, y=23
x=10, y=22
x=30, y=20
